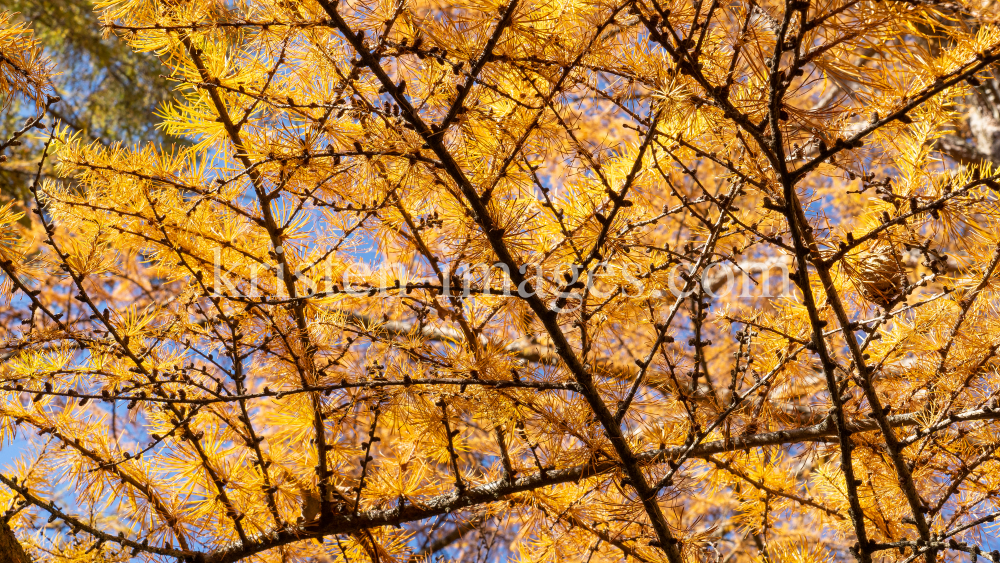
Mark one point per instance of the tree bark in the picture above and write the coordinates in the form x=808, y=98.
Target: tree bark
x=10, y=550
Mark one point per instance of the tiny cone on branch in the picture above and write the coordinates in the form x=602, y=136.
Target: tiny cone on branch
x=878, y=274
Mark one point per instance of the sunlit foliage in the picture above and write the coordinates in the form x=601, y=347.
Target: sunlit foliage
x=752, y=306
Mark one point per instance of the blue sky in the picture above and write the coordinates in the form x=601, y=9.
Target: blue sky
x=10, y=452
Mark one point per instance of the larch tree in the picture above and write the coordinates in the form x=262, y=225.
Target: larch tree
x=605, y=280
x=110, y=92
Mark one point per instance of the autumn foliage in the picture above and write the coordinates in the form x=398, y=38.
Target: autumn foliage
x=671, y=280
